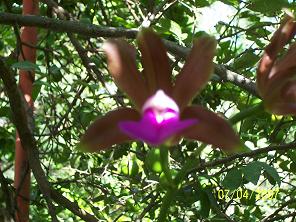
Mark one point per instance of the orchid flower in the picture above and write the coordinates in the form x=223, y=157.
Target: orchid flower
x=161, y=114
x=276, y=78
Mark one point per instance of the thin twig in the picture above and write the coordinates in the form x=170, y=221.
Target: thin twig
x=253, y=153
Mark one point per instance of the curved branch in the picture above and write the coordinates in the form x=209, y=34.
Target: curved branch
x=22, y=120
x=274, y=215
x=65, y=26
x=283, y=147
x=91, y=30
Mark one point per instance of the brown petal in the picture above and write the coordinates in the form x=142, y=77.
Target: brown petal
x=280, y=38
x=104, y=132
x=282, y=100
x=283, y=69
x=196, y=71
x=155, y=62
x=210, y=129
x=278, y=94
x=122, y=66
x=281, y=108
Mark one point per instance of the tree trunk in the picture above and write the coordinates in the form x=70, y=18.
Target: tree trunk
x=26, y=79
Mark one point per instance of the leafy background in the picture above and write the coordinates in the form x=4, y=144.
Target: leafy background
x=125, y=183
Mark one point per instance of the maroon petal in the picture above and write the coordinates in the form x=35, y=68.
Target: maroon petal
x=196, y=71
x=155, y=62
x=282, y=100
x=282, y=108
x=122, y=66
x=282, y=71
x=281, y=37
x=210, y=129
x=104, y=132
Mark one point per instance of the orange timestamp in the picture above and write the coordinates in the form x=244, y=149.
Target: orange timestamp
x=238, y=194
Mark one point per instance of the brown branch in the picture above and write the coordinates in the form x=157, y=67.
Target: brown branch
x=72, y=206
x=23, y=122
x=274, y=214
x=252, y=153
x=281, y=217
x=99, y=31
x=21, y=119
x=89, y=30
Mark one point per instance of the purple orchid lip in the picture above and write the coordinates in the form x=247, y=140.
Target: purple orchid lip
x=160, y=121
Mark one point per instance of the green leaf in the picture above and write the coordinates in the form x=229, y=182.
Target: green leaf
x=56, y=73
x=65, y=155
x=201, y=3
x=293, y=167
x=2, y=45
x=252, y=172
x=233, y=179
x=25, y=65
x=5, y=112
x=257, y=212
x=36, y=89
x=247, y=60
x=164, y=182
x=86, y=116
x=292, y=155
x=129, y=167
x=268, y=6
x=204, y=204
x=120, y=152
x=231, y=2
x=284, y=165
x=271, y=172
x=176, y=30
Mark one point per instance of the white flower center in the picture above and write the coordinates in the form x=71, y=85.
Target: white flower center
x=160, y=102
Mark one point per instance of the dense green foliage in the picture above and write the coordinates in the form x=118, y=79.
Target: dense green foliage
x=127, y=183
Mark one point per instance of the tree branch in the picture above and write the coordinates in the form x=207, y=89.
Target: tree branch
x=21, y=120
x=252, y=153
x=275, y=213
x=72, y=206
x=281, y=217
x=91, y=30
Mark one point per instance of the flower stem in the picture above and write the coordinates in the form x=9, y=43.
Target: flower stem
x=166, y=202
x=164, y=159
x=169, y=196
